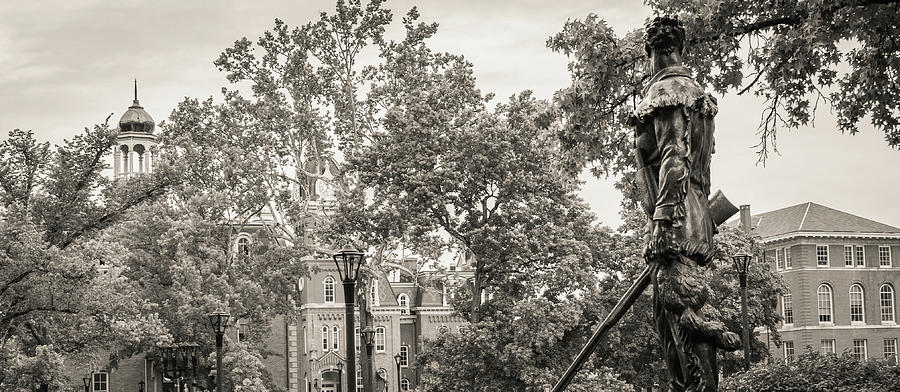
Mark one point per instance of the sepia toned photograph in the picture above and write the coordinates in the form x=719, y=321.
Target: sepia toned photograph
x=449, y=196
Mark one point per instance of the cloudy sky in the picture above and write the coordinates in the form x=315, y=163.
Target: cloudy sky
x=67, y=65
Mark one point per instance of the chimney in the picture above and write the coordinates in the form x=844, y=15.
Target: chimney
x=746, y=222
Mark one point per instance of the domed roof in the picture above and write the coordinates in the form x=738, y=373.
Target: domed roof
x=135, y=119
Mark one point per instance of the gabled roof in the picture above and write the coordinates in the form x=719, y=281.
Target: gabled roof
x=810, y=217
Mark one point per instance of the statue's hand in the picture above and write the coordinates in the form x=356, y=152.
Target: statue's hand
x=661, y=247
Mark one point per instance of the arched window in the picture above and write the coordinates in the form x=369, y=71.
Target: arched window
x=403, y=301
x=325, y=346
x=857, y=304
x=243, y=245
x=404, y=356
x=382, y=374
x=787, y=308
x=379, y=339
x=886, y=294
x=823, y=296
x=443, y=329
x=329, y=290
x=335, y=338
x=404, y=384
x=359, y=381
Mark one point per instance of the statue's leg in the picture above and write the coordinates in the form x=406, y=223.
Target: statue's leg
x=670, y=350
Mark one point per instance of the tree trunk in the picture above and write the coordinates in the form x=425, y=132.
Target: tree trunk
x=477, y=289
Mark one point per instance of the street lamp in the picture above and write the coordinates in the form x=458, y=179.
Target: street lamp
x=348, y=261
x=219, y=321
x=397, y=361
x=741, y=262
x=368, y=336
x=86, y=381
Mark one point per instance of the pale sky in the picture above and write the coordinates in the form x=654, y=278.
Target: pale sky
x=67, y=65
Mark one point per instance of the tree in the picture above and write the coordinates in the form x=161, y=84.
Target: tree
x=794, y=54
x=814, y=372
x=62, y=293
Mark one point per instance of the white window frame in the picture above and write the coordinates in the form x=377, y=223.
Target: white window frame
x=404, y=356
x=325, y=335
x=403, y=301
x=100, y=382
x=788, y=262
x=789, y=350
x=242, y=245
x=848, y=256
x=336, y=338
x=404, y=384
x=779, y=259
x=865, y=349
x=827, y=256
x=787, y=309
x=358, y=338
x=373, y=294
x=881, y=264
x=380, y=340
x=823, y=346
x=887, y=305
x=862, y=304
x=860, y=255
x=444, y=298
x=890, y=350
x=328, y=289
x=819, y=301
x=359, y=381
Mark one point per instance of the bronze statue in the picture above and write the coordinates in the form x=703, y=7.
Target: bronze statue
x=673, y=147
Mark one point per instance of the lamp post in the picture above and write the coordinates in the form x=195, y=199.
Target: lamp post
x=368, y=336
x=219, y=321
x=741, y=261
x=348, y=261
x=397, y=361
x=86, y=381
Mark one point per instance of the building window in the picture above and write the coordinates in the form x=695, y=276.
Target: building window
x=788, y=263
x=359, y=381
x=325, y=346
x=379, y=339
x=403, y=300
x=860, y=256
x=848, y=255
x=822, y=255
x=859, y=349
x=789, y=350
x=857, y=304
x=100, y=382
x=884, y=256
x=404, y=356
x=886, y=294
x=444, y=298
x=243, y=331
x=890, y=350
x=443, y=329
x=358, y=338
x=827, y=346
x=243, y=246
x=823, y=296
x=779, y=259
x=329, y=290
x=787, y=308
x=335, y=338
x=382, y=374
x=404, y=384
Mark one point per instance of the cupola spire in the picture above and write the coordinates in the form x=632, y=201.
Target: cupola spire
x=135, y=93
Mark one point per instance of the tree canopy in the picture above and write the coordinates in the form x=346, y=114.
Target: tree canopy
x=793, y=54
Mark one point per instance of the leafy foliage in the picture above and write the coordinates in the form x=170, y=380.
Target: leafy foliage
x=814, y=372
x=62, y=291
x=794, y=54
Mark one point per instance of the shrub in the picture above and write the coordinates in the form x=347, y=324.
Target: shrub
x=812, y=371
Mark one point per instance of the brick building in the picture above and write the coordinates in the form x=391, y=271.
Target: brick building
x=841, y=274
x=409, y=304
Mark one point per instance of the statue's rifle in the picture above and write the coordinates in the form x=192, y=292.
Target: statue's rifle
x=720, y=209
